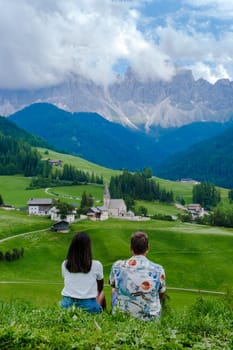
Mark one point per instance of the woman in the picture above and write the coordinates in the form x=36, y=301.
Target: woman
x=83, y=277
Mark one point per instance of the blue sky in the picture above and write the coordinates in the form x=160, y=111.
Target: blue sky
x=44, y=42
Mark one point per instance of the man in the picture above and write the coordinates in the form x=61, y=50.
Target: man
x=139, y=284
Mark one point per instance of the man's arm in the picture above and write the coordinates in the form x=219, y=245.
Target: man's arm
x=162, y=296
x=162, y=288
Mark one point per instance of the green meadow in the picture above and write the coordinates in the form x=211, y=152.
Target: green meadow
x=79, y=163
x=195, y=257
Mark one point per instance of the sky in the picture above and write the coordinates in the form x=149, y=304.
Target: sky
x=44, y=42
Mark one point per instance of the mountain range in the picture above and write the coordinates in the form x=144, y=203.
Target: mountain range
x=187, y=151
x=140, y=105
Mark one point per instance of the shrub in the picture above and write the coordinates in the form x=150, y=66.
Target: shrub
x=11, y=256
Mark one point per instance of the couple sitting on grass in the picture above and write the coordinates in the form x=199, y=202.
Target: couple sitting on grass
x=138, y=283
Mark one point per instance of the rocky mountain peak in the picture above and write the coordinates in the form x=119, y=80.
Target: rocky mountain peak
x=135, y=103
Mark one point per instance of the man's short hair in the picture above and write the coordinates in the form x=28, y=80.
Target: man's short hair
x=139, y=242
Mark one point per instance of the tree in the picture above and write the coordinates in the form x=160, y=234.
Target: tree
x=230, y=195
x=137, y=186
x=64, y=209
x=87, y=201
x=142, y=211
x=147, y=172
x=206, y=194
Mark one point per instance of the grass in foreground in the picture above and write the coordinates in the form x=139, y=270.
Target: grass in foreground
x=205, y=325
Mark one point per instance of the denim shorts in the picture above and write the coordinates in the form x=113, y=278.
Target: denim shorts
x=90, y=305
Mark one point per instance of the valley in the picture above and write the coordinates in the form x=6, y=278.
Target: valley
x=199, y=145
x=197, y=260
x=180, y=247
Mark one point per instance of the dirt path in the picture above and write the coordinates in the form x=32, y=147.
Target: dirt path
x=22, y=234
x=190, y=290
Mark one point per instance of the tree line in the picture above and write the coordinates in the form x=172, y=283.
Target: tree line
x=206, y=195
x=137, y=186
x=47, y=176
x=18, y=157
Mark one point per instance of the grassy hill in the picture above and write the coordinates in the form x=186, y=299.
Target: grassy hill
x=195, y=257
x=181, y=248
x=206, y=325
x=80, y=163
x=30, y=288
x=188, y=253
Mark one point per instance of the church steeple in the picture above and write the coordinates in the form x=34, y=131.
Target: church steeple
x=107, y=196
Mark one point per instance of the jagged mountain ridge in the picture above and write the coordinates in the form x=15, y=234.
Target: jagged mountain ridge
x=134, y=103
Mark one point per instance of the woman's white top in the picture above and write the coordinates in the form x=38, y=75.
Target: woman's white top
x=81, y=285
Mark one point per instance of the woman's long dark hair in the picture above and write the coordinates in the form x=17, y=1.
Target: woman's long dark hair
x=79, y=257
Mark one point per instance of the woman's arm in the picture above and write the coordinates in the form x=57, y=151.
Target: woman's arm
x=100, y=285
x=101, y=297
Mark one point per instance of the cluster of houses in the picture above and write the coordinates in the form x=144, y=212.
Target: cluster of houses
x=115, y=208
x=111, y=208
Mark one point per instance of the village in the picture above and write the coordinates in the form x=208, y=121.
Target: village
x=111, y=208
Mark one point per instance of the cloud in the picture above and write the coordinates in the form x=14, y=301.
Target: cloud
x=45, y=42
x=213, y=8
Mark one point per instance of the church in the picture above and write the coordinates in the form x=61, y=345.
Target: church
x=111, y=208
x=116, y=207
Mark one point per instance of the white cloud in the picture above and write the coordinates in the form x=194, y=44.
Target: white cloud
x=45, y=41
x=202, y=70
x=216, y=8
x=209, y=56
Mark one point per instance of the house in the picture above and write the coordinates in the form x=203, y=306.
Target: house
x=55, y=162
x=189, y=181
x=39, y=206
x=195, y=209
x=55, y=215
x=97, y=213
x=60, y=226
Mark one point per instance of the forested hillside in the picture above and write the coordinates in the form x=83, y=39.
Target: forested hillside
x=17, y=157
x=207, y=161
x=7, y=128
x=98, y=140
x=89, y=135
x=16, y=153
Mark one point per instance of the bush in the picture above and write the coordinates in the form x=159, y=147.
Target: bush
x=11, y=256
